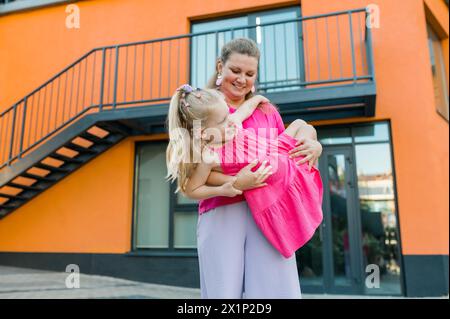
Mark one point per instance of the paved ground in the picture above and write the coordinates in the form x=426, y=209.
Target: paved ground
x=37, y=284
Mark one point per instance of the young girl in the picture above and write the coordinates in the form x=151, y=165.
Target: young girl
x=205, y=137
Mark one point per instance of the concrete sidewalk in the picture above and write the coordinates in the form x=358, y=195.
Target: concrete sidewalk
x=38, y=284
x=21, y=283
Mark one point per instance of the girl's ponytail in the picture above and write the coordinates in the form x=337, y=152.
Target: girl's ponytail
x=182, y=155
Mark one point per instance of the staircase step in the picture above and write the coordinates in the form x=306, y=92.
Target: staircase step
x=7, y=206
x=24, y=187
x=115, y=128
x=95, y=139
x=65, y=158
x=37, y=177
x=79, y=149
x=13, y=196
x=52, y=168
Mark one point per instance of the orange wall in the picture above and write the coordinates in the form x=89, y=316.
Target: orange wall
x=405, y=96
x=85, y=214
x=81, y=213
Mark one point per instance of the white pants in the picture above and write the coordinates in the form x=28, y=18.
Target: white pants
x=236, y=261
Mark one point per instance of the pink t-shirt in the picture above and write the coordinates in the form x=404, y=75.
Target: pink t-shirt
x=266, y=117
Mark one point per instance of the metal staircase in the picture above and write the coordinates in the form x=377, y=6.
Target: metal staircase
x=117, y=91
x=67, y=165
x=72, y=148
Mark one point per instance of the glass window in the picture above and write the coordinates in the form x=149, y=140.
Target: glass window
x=206, y=48
x=154, y=198
x=185, y=221
x=378, y=132
x=183, y=200
x=152, y=203
x=438, y=72
x=9, y=6
x=332, y=136
x=278, y=44
x=380, y=238
x=185, y=229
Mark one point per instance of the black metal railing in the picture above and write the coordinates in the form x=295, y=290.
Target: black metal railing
x=303, y=53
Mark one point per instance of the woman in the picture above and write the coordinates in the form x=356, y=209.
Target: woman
x=235, y=259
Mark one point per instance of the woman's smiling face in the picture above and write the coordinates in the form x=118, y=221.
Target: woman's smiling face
x=238, y=76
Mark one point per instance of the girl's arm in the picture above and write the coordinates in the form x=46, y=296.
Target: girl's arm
x=245, y=179
x=218, y=178
x=246, y=109
x=196, y=187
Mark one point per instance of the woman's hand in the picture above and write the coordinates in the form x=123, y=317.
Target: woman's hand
x=309, y=148
x=246, y=179
x=229, y=190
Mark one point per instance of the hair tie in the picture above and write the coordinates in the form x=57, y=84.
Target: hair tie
x=187, y=89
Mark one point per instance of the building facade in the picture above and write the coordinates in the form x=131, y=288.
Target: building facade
x=84, y=89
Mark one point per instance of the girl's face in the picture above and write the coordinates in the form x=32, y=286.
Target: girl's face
x=238, y=76
x=217, y=124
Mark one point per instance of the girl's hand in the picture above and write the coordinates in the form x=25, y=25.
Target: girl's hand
x=246, y=179
x=260, y=99
x=229, y=191
x=309, y=148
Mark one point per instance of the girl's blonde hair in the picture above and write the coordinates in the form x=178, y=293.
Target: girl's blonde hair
x=185, y=108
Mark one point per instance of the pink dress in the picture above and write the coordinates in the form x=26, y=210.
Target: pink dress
x=268, y=118
x=289, y=209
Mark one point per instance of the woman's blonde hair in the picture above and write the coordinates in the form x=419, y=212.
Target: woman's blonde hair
x=238, y=45
x=184, y=150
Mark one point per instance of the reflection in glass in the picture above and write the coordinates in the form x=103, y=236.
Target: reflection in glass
x=185, y=225
x=339, y=222
x=182, y=200
x=152, y=217
x=309, y=262
x=378, y=218
x=378, y=132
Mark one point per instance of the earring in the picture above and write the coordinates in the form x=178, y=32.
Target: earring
x=219, y=80
x=253, y=89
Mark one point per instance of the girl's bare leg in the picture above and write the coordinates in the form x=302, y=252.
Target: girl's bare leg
x=294, y=128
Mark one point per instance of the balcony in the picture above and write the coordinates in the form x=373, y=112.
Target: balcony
x=317, y=67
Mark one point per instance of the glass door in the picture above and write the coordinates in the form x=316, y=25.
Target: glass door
x=331, y=261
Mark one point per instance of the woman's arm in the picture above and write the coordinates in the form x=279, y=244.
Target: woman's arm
x=197, y=189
